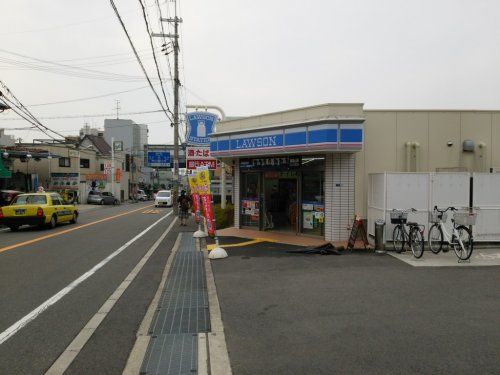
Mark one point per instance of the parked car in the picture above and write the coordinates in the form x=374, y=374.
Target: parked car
x=141, y=195
x=109, y=198
x=163, y=198
x=37, y=209
x=6, y=196
x=96, y=197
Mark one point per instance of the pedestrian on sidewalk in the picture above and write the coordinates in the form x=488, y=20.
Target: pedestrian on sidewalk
x=184, y=205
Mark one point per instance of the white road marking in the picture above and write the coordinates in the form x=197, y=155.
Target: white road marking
x=479, y=258
x=14, y=328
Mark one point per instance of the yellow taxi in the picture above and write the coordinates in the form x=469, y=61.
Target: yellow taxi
x=42, y=209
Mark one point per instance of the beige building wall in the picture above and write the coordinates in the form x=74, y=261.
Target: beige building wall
x=439, y=134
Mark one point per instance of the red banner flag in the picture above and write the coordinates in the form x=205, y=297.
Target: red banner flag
x=196, y=206
x=206, y=204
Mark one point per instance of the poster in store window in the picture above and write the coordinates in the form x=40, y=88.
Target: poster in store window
x=308, y=220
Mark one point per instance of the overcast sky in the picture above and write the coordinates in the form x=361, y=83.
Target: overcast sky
x=251, y=57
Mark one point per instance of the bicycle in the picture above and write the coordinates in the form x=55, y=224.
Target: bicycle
x=414, y=237
x=461, y=236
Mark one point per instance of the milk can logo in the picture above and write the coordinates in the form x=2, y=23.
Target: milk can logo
x=199, y=126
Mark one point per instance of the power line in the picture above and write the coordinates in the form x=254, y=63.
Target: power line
x=148, y=30
x=66, y=66
x=90, y=115
x=165, y=43
x=139, y=59
x=18, y=108
x=58, y=27
x=87, y=98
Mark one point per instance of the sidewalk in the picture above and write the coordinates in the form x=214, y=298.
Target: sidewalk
x=182, y=331
x=281, y=237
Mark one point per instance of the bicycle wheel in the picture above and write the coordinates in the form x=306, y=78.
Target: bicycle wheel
x=416, y=242
x=398, y=239
x=435, y=239
x=465, y=236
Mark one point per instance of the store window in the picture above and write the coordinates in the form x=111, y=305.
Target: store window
x=65, y=162
x=313, y=203
x=84, y=163
x=250, y=206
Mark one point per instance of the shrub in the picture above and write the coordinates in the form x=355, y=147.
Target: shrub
x=224, y=218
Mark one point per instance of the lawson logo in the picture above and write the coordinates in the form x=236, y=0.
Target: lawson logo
x=257, y=142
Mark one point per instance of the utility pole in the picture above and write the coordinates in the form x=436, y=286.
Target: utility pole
x=113, y=165
x=117, y=108
x=175, y=37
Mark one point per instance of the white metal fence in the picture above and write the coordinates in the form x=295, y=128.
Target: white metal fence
x=422, y=191
x=486, y=196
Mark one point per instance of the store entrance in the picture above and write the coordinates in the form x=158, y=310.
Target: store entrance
x=280, y=201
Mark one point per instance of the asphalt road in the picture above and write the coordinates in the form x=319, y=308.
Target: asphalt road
x=355, y=314
x=33, y=272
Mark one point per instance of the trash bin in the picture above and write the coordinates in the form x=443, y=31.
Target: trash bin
x=379, y=236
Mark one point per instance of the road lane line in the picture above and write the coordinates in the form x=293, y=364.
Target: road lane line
x=69, y=354
x=29, y=242
x=13, y=329
x=218, y=356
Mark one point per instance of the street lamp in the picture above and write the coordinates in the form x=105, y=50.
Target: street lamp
x=28, y=157
x=49, y=159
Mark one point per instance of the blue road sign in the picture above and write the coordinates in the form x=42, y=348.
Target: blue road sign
x=158, y=158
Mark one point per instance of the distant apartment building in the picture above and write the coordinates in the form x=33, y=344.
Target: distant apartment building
x=134, y=136
x=6, y=139
x=88, y=130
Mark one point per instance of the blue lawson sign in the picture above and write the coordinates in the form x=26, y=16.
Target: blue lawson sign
x=158, y=158
x=199, y=126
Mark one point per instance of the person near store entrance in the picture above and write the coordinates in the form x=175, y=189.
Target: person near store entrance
x=184, y=202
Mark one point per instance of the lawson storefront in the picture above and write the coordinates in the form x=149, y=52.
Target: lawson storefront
x=296, y=178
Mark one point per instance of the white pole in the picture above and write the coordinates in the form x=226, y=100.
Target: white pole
x=49, y=159
x=79, y=179
x=223, y=185
x=113, y=165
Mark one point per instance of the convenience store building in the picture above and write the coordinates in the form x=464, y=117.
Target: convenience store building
x=305, y=171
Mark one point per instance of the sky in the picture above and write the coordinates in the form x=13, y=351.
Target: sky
x=247, y=57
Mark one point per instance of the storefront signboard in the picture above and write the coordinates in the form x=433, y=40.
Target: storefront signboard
x=62, y=181
x=274, y=163
x=199, y=157
x=195, y=163
x=199, y=126
x=95, y=177
x=326, y=136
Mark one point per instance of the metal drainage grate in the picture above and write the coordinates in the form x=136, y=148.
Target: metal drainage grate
x=182, y=313
x=171, y=354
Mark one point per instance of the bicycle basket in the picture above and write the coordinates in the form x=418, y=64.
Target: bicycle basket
x=465, y=218
x=434, y=217
x=399, y=217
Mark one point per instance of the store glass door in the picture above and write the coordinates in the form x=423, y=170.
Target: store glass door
x=313, y=203
x=280, y=201
x=250, y=202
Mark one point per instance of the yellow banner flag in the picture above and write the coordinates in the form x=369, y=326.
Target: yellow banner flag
x=203, y=179
x=193, y=184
